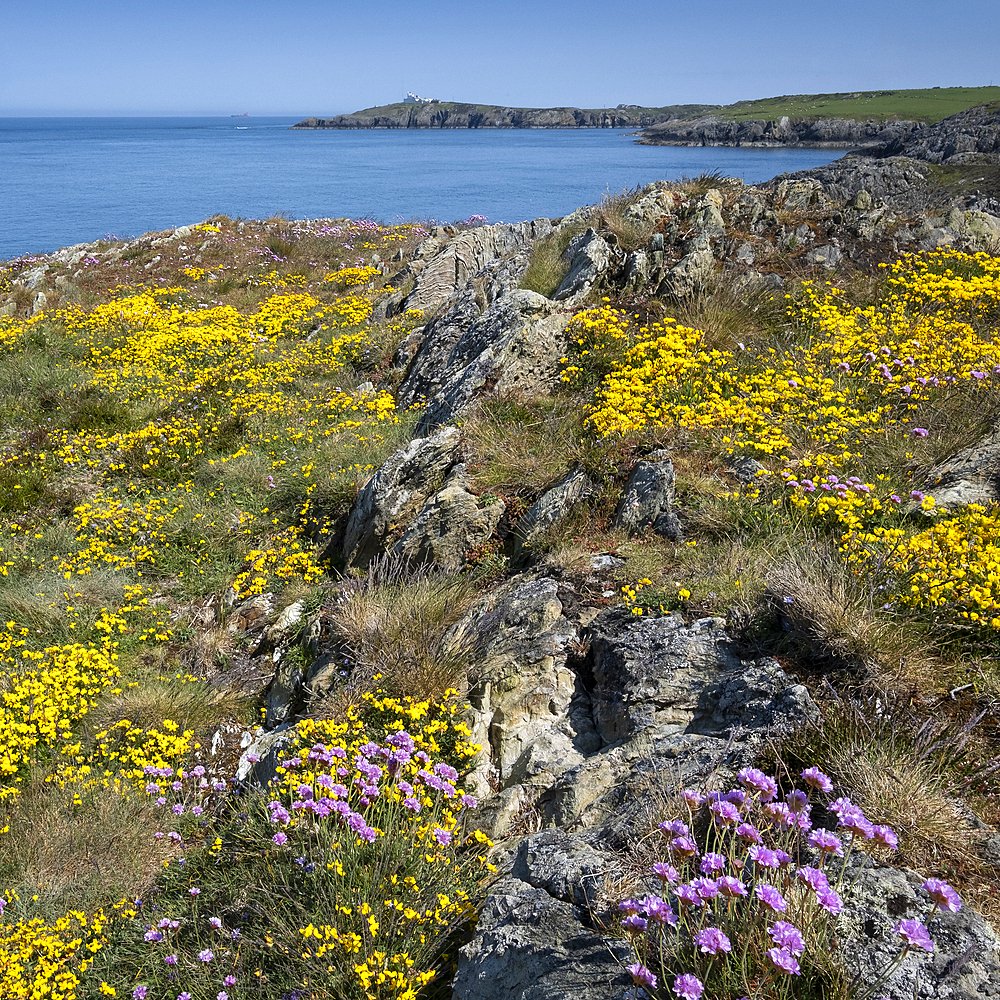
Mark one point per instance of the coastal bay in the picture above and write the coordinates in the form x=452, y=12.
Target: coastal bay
x=69, y=180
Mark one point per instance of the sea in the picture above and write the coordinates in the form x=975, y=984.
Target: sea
x=73, y=180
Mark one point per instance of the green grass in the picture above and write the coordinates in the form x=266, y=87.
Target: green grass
x=926, y=105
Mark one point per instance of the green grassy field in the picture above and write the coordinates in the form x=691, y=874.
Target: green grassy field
x=929, y=105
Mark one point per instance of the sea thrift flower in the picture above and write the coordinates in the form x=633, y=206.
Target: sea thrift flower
x=914, y=934
x=711, y=941
x=764, y=856
x=692, y=798
x=829, y=900
x=206, y=955
x=784, y=961
x=730, y=887
x=770, y=897
x=725, y=813
x=884, y=835
x=749, y=833
x=815, y=878
x=689, y=987
x=787, y=936
x=815, y=777
x=634, y=924
x=674, y=826
x=665, y=872
x=641, y=976
x=828, y=843
x=943, y=895
x=712, y=862
x=758, y=781
x=684, y=846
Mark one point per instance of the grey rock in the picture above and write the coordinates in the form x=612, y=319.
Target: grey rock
x=827, y=256
x=553, y=506
x=745, y=469
x=566, y=866
x=521, y=690
x=648, y=498
x=529, y=946
x=693, y=273
x=514, y=347
x=448, y=525
x=637, y=269
x=661, y=672
x=283, y=693
x=801, y=194
x=449, y=266
x=964, y=963
x=591, y=257
x=971, y=476
x=396, y=492
x=707, y=214
x=269, y=749
x=431, y=364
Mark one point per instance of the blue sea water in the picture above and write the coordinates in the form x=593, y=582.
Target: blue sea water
x=71, y=180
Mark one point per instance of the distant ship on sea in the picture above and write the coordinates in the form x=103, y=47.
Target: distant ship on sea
x=244, y=115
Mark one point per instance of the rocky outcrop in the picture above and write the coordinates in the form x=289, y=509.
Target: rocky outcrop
x=396, y=492
x=449, y=524
x=647, y=500
x=564, y=733
x=971, y=136
x=553, y=506
x=444, y=266
x=965, y=963
x=824, y=133
x=447, y=114
x=589, y=256
x=514, y=346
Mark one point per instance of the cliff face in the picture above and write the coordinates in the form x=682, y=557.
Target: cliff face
x=968, y=137
x=826, y=132
x=449, y=115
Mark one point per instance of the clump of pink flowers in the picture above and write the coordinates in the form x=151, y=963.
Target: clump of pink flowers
x=750, y=889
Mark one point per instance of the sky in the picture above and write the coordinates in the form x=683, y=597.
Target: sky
x=325, y=57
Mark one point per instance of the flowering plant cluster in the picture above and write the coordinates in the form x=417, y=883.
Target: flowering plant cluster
x=363, y=838
x=750, y=893
x=866, y=372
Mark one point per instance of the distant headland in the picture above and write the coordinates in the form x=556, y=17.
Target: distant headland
x=846, y=120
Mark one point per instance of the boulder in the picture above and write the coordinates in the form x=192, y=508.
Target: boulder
x=448, y=525
x=693, y=273
x=591, y=256
x=971, y=476
x=450, y=265
x=647, y=499
x=514, y=347
x=553, y=506
x=965, y=963
x=396, y=492
x=664, y=673
x=522, y=692
x=529, y=946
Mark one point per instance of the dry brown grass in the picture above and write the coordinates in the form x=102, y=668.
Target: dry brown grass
x=82, y=857
x=394, y=621
x=903, y=771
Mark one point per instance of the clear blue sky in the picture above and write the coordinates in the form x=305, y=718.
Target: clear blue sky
x=323, y=57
